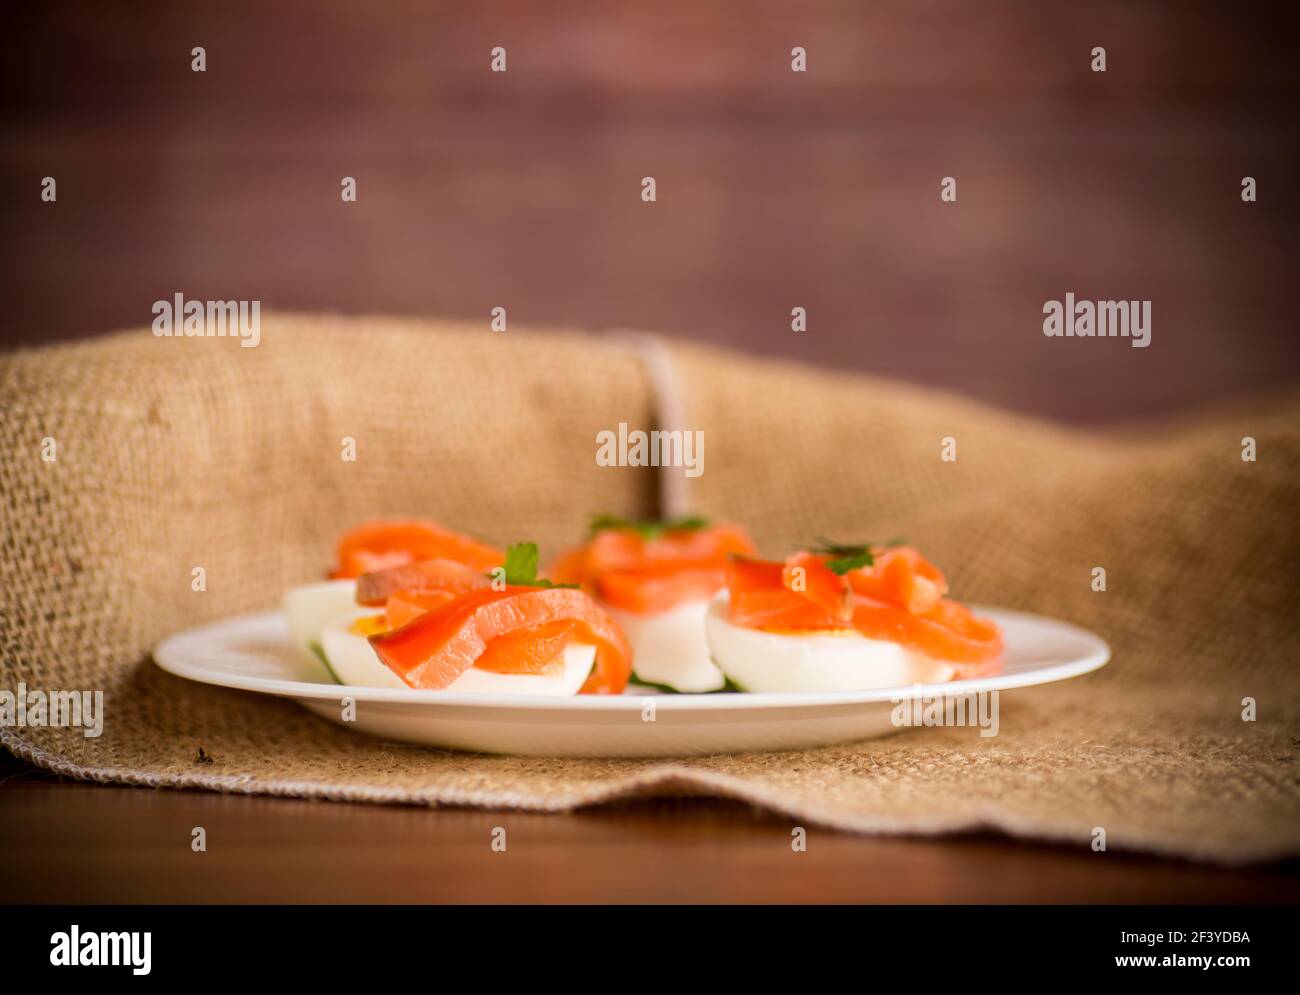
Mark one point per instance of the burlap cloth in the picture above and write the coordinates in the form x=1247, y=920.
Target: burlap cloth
x=173, y=453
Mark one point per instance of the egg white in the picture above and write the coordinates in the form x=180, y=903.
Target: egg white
x=310, y=607
x=351, y=657
x=670, y=647
x=579, y=658
x=819, y=661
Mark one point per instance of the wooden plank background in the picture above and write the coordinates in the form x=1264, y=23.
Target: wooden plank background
x=776, y=189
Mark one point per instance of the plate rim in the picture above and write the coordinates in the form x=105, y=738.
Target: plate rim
x=163, y=657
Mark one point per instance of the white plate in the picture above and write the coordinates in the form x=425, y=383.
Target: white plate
x=252, y=653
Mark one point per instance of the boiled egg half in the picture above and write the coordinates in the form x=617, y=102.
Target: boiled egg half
x=846, y=660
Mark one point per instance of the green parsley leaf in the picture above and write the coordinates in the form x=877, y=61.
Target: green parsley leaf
x=850, y=556
x=649, y=528
x=521, y=563
x=521, y=567
x=847, y=563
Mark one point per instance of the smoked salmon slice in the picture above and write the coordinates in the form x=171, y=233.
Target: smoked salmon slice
x=427, y=576
x=807, y=574
x=897, y=598
x=651, y=567
x=535, y=650
x=901, y=576
x=537, y=623
x=380, y=545
x=659, y=587
x=948, y=632
x=404, y=606
x=760, y=599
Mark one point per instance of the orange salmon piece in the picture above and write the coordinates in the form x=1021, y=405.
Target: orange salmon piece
x=403, y=606
x=426, y=576
x=808, y=574
x=528, y=651
x=760, y=599
x=659, y=587
x=949, y=631
x=901, y=576
x=379, y=545
x=434, y=649
x=647, y=576
x=940, y=628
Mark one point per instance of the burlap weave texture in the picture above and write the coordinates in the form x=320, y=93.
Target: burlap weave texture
x=173, y=453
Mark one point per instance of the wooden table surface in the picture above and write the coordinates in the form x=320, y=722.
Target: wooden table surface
x=775, y=189
x=69, y=842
